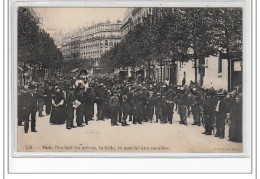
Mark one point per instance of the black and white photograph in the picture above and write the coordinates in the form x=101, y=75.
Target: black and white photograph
x=130, y=79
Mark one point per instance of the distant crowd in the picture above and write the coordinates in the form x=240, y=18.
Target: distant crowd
x=125, y=101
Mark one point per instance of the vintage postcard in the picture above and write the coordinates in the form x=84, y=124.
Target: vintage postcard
x=129, y=80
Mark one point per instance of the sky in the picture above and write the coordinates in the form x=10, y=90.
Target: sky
x=63, y=20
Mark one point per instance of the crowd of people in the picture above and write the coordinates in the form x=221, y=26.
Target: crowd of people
x=130, y=101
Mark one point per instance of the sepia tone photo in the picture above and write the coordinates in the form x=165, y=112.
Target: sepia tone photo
x=129, y=80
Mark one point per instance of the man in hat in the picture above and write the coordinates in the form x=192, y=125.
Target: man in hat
x=143, y=103
x=169, y=105
x=138, y=106
x=181, y=100
x=107, y=112
x=48, y=99
x=236, y=123
x=125, y=109
x=89, y=101
x=114, y=106
x=158, y=107
x=120, y=111
x=30, y=107
x=164, y=109
x=100, y=95
x=130, y=97
x=189, y=101
x=80, y=111
x=222, y=108
x=195, y=106
x=21, y=111
x=209, y=106
x=150, y=106
x=178, y=90
x=40, y=98
x=70, y=101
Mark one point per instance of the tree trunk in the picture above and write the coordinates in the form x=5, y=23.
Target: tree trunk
x=23, y=76
x=161, y=70
x=149, y=68
x=173, y=73
x=229, y=71
x=196, y=70
x=195, y=67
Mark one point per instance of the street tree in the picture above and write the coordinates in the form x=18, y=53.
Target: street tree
x=36, y=48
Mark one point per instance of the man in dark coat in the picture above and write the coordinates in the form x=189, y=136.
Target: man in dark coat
x=164, y=109
x=79, y=96
x=169, y=105
x=143, y=101
x=107, y=112
x=131, y=105
x=220, y=114
x=89, y=100
x=30, y=108
x=101, y=95
x=120, y=111
x=235, y=130
x=138, y=105
x=40, y=98
x=195, y=107
x=125, y=109
x=158, y=106
x=209, y=106
x=114, y=106
x=181, y=100
x=70, y=99
x=150, y=106
x=21, y=112
x=48, y=93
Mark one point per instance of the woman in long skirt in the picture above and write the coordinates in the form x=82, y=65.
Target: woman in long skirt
x=57, y=114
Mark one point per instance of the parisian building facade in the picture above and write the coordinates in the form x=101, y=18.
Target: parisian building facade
x=134, y=16
x=91, y=42
x=98, y=39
